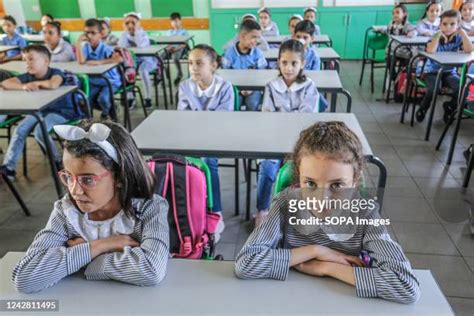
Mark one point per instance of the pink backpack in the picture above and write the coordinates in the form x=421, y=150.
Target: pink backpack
x=184, y=184
x=129, y=71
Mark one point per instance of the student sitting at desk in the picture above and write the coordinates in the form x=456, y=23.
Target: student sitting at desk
x=45, y=19
x=92, y=51
x=261, y=43
x=450, y=38
x=291, y=91
x=107, y=37
x=60, y=50
x=429, y=23
x=110, y=222
x=135, y=36
x=245, y=55
x=176, y=51
x=39, y=76
x=206, y=91
x=467, y=17
x=11, y=38
x=292, y=22
x=328, y=163
x=309, y=14
x=269, y=28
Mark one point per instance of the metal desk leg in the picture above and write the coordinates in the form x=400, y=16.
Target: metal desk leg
x=392, y=70
x=389, y=56
x=237, y=188
x=349, y=100
x=49, y=152
x=333, y=102
x=458, y=122
x=407, y=89
x=113, y=110
x=433, y=103
x=16, y=194
x=249, y=189
x=382, y=177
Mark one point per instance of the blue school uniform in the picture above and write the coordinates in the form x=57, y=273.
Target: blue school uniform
x=15, y=40
x=312, y=60
x=102, y=51
x=271, y=30
x=99, y=91
x=262, y=43
x=454, y=45
x=219, y=96
x=235, y=59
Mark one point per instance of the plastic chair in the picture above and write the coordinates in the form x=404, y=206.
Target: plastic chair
x=373, y=43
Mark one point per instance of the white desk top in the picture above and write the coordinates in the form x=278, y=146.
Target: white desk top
x=325, y=80
x=21, y=102
x=325, y=53
x=37, y=38
x=148, y=51
x=4, y=48
x=317, y=39
x=201, y=287
x=232, y=134
x=73, y=66
x=449, y=58
x=171, y=39
x=416, y=40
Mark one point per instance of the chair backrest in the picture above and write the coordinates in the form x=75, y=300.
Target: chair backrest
x=85, y=84
x=285, y=177
x=377, y=41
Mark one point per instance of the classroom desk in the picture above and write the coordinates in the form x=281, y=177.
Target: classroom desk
x=98, y=71
x=256, y=79
x=233, y=135
x=153, y=51
x=16, y=102
x=34, y=38
x=317, y=39
x=6, y=48
x=172, y=40
x=445, y=60
x=326, y=54
x=202, y=287
x=402, y=41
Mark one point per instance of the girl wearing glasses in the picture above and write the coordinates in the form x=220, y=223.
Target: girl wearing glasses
x=110, y=222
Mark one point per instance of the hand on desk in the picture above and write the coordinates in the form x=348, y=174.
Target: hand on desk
x=330, y=255
x=32, y=86
x=94, y=62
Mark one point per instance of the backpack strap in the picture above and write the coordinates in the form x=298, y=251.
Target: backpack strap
x=178, y=182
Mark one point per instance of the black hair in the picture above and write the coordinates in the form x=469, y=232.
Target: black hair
x=48, y=16
x=40, y=49
x=175, y=16
x=131, y=172
x=94, y=23
x=10, y=19
x=56, y=25
x=305, y=26
x=451, y=14
x=404, y=9
x=249, y=26
x=429, y=5
x=309, y=10
x=465, y=2
x=210, y=51
x=296, y=47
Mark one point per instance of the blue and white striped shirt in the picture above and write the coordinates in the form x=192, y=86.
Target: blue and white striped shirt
x=390, y=276
x=49, y=259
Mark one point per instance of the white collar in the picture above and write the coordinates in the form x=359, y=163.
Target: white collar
x=209, y=91
x=58, y=48
x=269, y=27
x=435, y=23
x=280, y=85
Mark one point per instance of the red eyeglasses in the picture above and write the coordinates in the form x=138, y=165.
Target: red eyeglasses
x=86, y=182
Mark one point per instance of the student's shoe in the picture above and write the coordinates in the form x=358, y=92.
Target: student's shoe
x=104, y=117
x=148, y=104
x=420, y=115
x=131, y=104
x=260, y=217
x=220, y=228
x=467, y=153
x=11, y=174
x=177, y=80
x=449, y=108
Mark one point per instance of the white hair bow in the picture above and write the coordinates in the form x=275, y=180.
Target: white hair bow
x=97, y=134
x=135, y=14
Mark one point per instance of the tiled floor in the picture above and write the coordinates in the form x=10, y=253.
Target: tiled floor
x=423, y=198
